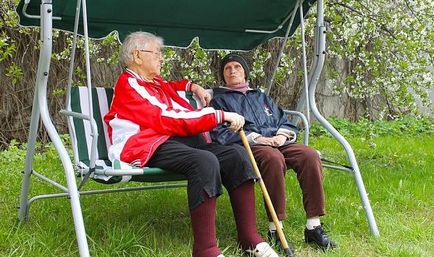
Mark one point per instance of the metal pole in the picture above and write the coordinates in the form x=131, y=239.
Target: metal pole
x=320, y=52
x=69, y=84
x=31, y=144
x=94, y=132
x=41, y=84
x=270, y=83
x=305, y=80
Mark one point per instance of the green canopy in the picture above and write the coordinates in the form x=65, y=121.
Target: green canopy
x=222, y=24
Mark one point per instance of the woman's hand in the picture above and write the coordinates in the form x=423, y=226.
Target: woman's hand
x=265, y=141
x=279, y=140
x=275, y=141
x=200, y=92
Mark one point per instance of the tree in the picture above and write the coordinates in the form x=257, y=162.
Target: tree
x=387, y=48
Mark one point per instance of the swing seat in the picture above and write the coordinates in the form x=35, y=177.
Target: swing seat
x=103, y=170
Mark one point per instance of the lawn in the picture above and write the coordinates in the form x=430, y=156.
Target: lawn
x=397, y=171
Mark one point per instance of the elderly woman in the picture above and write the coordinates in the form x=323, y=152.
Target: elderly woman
x=149, y=124
x=272, y=138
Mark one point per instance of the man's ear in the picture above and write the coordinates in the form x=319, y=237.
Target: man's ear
x=136, y=57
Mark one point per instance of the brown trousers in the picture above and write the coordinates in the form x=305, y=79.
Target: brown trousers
x=305, y=161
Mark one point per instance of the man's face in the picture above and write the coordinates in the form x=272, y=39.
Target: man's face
x=233, y=74
x=149, y=59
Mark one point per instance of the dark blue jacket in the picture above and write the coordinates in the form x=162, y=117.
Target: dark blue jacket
x=261, y=113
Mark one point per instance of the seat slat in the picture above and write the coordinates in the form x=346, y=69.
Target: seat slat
x=78, y=126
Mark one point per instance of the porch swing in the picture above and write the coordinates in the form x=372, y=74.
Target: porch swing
x=242, y=27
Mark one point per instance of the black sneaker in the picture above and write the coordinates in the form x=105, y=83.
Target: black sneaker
x=273, y=238
x=318, y=237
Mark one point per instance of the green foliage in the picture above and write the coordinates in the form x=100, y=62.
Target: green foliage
x=193, y=63
x=14, y=72
x=386, y=48
x=364, y=128
x=197, y=65
x=257, y=70
x=16, y=152
x=7, y=47
x=80, y=74
x=112, y=41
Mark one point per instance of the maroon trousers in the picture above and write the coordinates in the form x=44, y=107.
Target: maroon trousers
x=305, y=161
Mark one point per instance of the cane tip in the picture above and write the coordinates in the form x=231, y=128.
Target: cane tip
x=289, y=253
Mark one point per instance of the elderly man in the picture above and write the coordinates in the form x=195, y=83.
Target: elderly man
x=149, y=124
x=272, y=139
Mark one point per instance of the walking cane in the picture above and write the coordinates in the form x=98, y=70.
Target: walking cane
x=268, y=202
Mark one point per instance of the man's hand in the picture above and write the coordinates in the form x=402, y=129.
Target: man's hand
x=200, y=92
x=236, y=121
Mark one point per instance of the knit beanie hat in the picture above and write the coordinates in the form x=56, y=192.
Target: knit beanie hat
x=232, y=57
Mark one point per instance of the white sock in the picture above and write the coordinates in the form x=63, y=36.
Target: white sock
x=272, y=227
x=313, y=222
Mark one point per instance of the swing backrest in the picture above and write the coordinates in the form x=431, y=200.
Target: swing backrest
x=81, y=135
x=82, y=141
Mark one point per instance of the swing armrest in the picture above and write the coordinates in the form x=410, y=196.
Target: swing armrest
x=305, y=124
x=75, y=115
x=94, y=134
x=83, y=117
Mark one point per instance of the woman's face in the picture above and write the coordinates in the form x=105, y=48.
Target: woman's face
x=234, y=74
x=149, y=60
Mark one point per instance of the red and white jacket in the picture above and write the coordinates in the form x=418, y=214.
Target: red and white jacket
x=143, y=115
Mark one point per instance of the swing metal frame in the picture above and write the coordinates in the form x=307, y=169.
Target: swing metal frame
x=72, y=191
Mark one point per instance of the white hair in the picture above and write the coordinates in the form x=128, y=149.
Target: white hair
x=136, y=40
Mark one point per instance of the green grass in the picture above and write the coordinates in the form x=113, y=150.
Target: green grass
x=398, y=175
